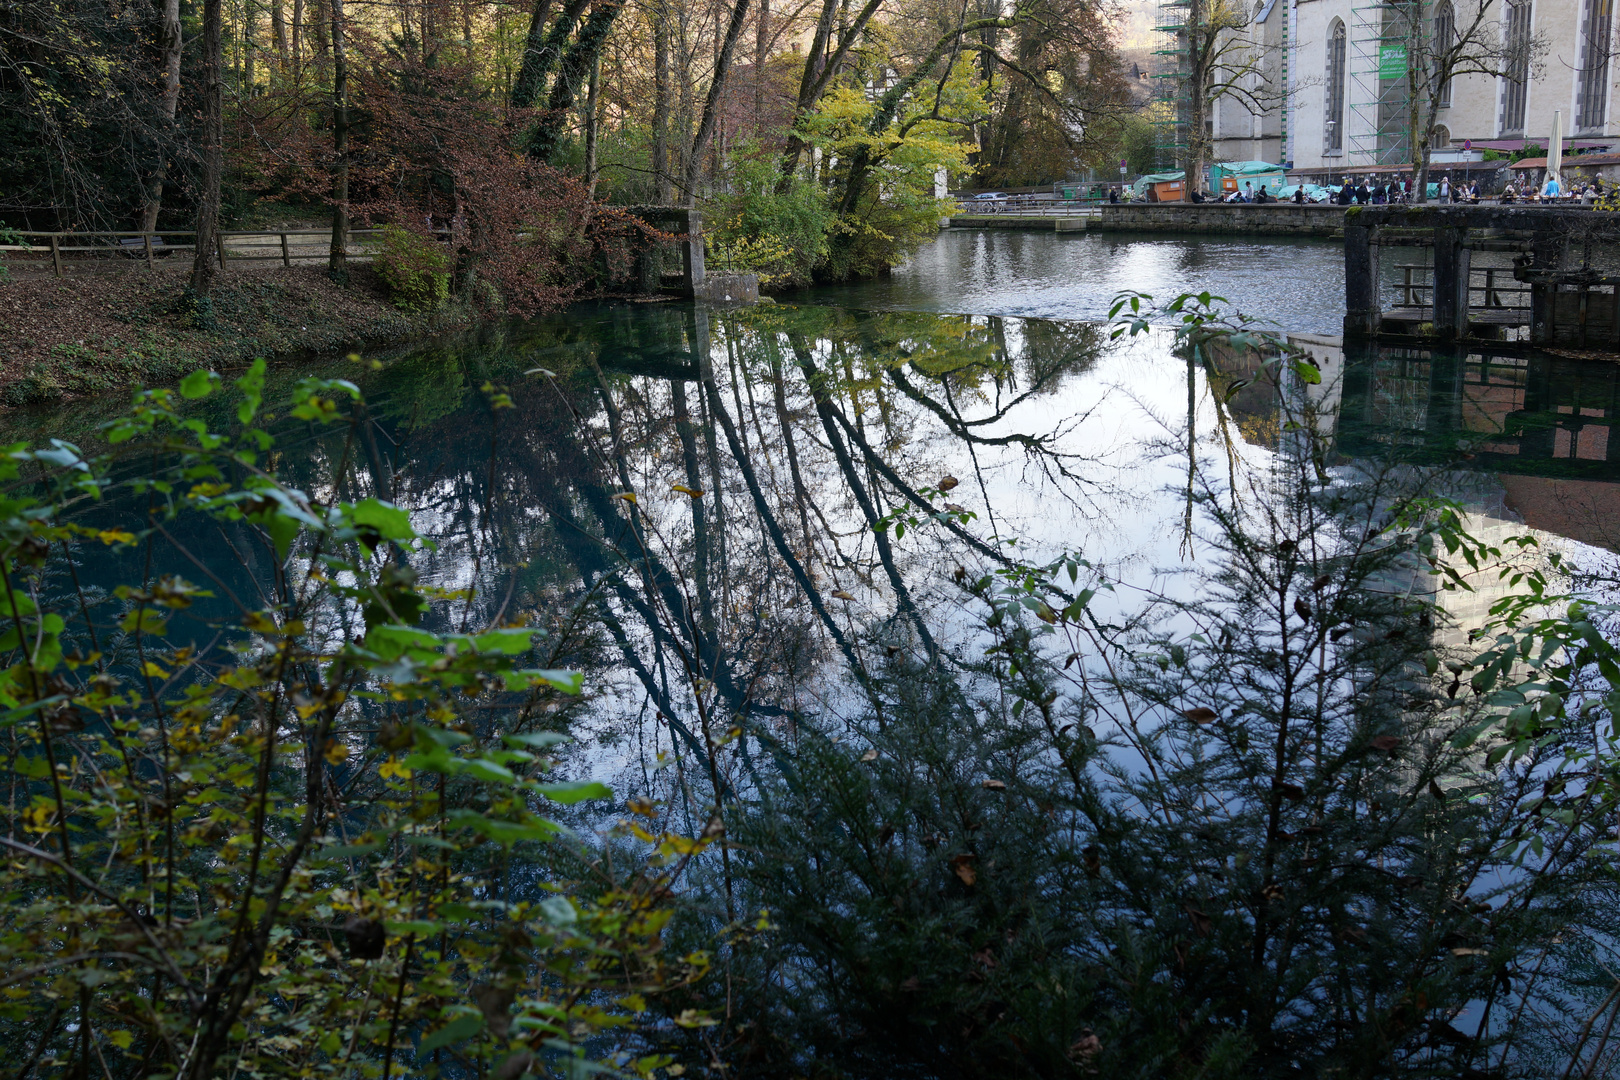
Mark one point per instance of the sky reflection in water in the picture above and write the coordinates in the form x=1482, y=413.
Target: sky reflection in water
x=1299, y=284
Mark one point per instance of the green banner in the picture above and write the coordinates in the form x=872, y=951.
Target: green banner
x=1392, y=62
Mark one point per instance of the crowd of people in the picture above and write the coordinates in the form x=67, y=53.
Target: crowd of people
x=1379, y=191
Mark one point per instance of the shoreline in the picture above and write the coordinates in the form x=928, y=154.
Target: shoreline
x=88, y=334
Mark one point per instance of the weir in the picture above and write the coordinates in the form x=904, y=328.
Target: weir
x=1539, y=275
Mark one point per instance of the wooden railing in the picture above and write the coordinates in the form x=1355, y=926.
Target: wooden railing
x=1415, y=290
x=149, y=245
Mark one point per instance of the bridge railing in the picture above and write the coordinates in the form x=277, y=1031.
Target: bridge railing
x=285, y=246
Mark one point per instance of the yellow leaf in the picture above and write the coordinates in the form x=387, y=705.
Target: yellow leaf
x=336, y=753
x=392, y=768
x=696, y=493
x=627, y=496
x=121, y=1039
x=840, y=594
x=149, y=668
x=683, y=845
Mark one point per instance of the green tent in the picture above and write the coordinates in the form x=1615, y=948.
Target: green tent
x=1259, y=173
x=1142, y=182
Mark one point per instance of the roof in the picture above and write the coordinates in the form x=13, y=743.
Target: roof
x=1540, y=144
x=1573, y=161
x=1406, y=170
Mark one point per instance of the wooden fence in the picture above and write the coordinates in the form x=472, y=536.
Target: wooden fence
x=149, y=246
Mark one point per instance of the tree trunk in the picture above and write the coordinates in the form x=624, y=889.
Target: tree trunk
x=1420, y=138
x=337, y=263
x=169, y=44
x=590, y=126
x=711, y=105
x=571, y=72
x=278, y=31
x=1201, y=48
x=661, y=99
x=205, y=267
x=250, y=33
x=542, y=49
x=297, y=58
x=819, y=69
x=323, y=46
x=762, y=46
x=526, y=86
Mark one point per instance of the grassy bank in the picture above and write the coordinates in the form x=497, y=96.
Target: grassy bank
x=97, y=331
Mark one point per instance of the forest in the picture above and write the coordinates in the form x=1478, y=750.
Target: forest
x=810, y=135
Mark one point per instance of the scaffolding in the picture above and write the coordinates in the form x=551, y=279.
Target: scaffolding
x=1170, y=108
x=1378, y=95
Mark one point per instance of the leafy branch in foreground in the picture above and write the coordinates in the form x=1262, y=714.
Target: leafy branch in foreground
x=294, y=823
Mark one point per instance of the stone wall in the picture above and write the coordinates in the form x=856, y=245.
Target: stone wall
x=1233, y=219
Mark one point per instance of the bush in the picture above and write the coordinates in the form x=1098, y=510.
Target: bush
x=276, y=852
x=416, y=268
x=779, y=235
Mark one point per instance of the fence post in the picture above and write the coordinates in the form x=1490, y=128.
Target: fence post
x=286, y=255
x=146, y=238
x=56, y=254
x=219, y=243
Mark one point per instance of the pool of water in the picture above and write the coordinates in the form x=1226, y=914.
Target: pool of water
x=814, y=431
x=1297, y=284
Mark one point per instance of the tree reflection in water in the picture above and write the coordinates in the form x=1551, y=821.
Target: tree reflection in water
x=1015, y=812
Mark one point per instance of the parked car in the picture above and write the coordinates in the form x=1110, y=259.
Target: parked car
x=993, y=201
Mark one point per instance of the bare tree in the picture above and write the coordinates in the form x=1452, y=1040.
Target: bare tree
x=1224, y=54
x=1446, y=39
x=205, y=267
x=168, y=100
x=338, y=256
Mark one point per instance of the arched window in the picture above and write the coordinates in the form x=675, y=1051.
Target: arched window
x=1441, y=138
x=1516, y=72
x=1445, y=34
x=1591, y=100
x=1333, y=136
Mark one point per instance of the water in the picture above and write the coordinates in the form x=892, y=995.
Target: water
x=817, y=421
x=773, y=518
x=1298, y=284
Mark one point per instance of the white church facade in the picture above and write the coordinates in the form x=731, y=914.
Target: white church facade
x=1335, y=106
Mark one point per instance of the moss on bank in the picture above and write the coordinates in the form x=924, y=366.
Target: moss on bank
x=108, y=330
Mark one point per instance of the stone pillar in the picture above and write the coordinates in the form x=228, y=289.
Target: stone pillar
x=1360, y=281
x=1451, y=273
x=1544, y=252
x=692, y=253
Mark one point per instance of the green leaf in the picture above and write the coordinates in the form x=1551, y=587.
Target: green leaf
x=510, y=642
x=570, y=792
x=146, y=621
x=198, y=384
x=419, y=927
x=390, y=521
x=252, y=387
x=461, y=1028
x=569, y=682
x=541, y=739
x=558, y=911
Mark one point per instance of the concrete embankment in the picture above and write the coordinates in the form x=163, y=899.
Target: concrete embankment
x=1230, y=219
